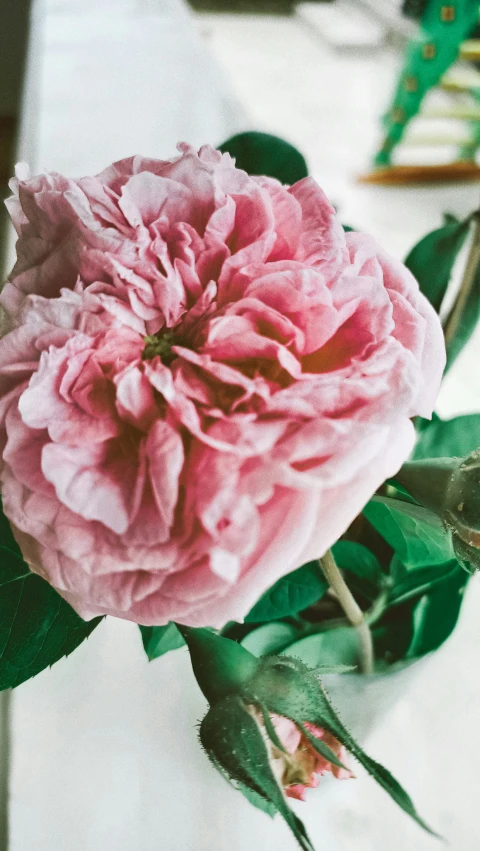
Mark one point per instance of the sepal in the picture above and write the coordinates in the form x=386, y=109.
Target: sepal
x=288, y=687
x=233, y=740
x=238, y=735
x=221, y=666
x=451, y=488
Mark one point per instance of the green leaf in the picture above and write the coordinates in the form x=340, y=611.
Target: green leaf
x=422, y=580
x=331, y=647
x=37, y=626
x=450, y=219
x=468, y=321
x=431, y=261
x=358, y=559
x=436, y=613
x=391, y=639
x=270, y=638
x=416, y=535
x=448, y=438
x=233, y=738
x=262, y=153
x=290, y=595
x=158, y=640
x=12, y=565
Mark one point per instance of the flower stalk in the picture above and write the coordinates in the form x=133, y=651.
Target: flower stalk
x=454, y=318
x=352, y=611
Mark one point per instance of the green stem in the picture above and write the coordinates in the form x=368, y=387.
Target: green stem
x=352, y=611
x=372, y=616
x=473, y=261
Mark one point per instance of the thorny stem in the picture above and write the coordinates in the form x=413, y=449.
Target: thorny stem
x=352, y=611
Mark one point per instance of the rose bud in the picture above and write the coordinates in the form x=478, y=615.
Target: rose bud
x=271, y=729
x=462, y=510
x=221, y=666
x=450, y=487
x=297, y=765
x=238, y=747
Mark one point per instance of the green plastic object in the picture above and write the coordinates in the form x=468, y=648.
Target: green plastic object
x=443, y=26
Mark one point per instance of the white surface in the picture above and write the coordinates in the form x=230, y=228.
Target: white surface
x=106, y=757
x=389, y=12
x=342, y=24
x=105, y=750
x=119, y=83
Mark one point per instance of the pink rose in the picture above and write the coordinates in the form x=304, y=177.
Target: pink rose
x=202, y=381
x=301, y=766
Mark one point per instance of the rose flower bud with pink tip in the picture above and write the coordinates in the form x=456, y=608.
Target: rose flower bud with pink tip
x=270, y=728
x=299, y=766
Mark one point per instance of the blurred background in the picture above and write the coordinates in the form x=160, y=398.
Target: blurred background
x=83, y=82
x=103, y=747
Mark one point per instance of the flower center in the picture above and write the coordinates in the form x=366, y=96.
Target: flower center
x=160, y=344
